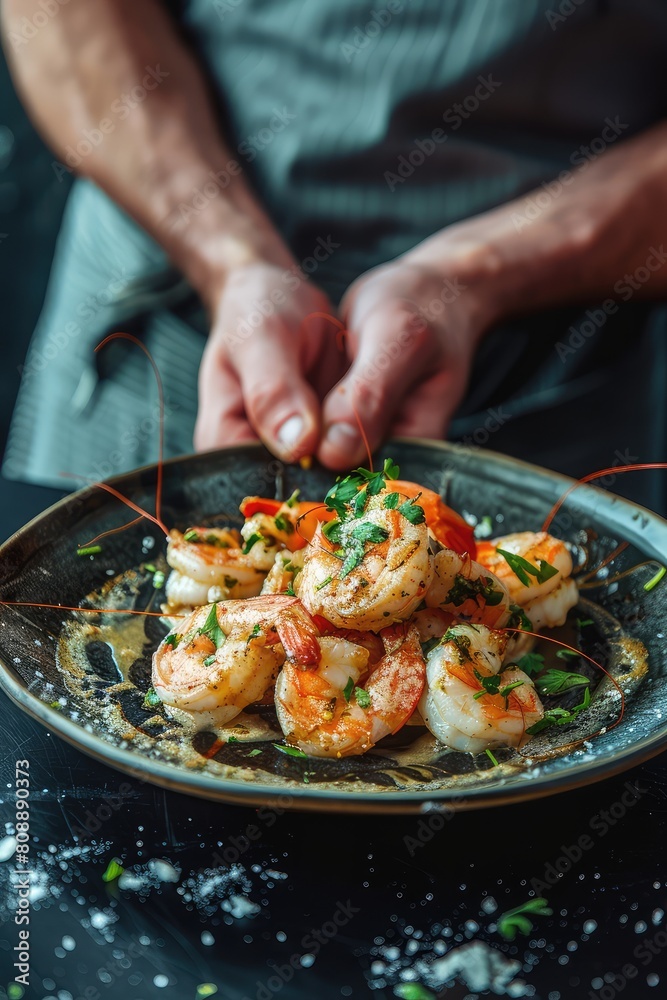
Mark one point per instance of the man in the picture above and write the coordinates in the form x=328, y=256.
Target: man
x=476, y=192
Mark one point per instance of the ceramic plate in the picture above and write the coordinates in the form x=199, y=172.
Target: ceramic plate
x=84, y=675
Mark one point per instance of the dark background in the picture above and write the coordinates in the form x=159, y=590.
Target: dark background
x=399, y=875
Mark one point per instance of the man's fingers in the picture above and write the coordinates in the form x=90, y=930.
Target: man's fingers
x=281, y=406
x=427, y=410
x=221, y=417
x=396, y=347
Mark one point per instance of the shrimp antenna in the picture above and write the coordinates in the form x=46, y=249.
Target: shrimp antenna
x=573, y=649
x=612, y=470
x=90, y=611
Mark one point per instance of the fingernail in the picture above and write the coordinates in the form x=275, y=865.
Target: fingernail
x=291, y=432
x=342, y=436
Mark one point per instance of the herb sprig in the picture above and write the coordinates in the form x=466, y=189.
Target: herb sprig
x=524, y=569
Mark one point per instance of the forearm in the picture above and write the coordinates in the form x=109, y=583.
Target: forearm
x=580, y=240
x=159, y=146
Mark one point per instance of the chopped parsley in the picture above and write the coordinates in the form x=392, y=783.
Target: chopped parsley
x=344, y=492
x=583, y=622
x=151, y=699
x=89, y=550
x=283, y=524
x=491, y=757
x=211, y=628
x=255, y=537
x=172, y=639
x=294, y=499
x=411, y=510
x=191, y=535
x=348, y=689
x=356, y=538
x=464, y=590
x=567, y=654
x=391, y=501
x=210, y=660
x=519, y=619
x=324, y=583
x=158, y=579
x=290, y=751
x=256, y=630
x=523, y=569
x=114, y=871
x=290, y=590
x=655, y=580
x=362, y=697
x=491, y=685
x=559, y=681
x=254, y=753
x=515, y=921
x=531, y=663
x=462, y=643
x=560, y=716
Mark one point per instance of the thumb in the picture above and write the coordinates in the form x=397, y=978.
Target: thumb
x=395, y=348
x=281, y=406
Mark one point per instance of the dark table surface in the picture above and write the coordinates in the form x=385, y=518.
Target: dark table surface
x=273, y=903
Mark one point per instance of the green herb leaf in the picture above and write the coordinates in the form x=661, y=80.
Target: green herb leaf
x=560, y=716
x=490, y=685
x=411, y=510
x=519, y=619
x=516, y=920
x=114, y=871
x=504, y=691
x=362, y=697
x=531, y=663
x=255, y=537
x=522, y=568
x=89, y=550
x=210, y=660
x=391, y=501
x=150, y=568
x=655, y=580
x=294, y=499
x=583, y=622
x=191, y=535
x=256, y=630
x=567, y=654
x=491, y=757
x=290, y=590
x=413, y=991
x=324, y=582
x=205, y=990
x=290, y=751
x=172, y=639
x=151, y=699
x=211, y=627
x=464, y=589
x=283, y=524
x=348, y=689
x=256, y=752
x=559, y=681
x=158, y=579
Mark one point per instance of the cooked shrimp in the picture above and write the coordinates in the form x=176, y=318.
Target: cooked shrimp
x=370, y=571
x=462, y=707
x=224, y=656
x=282, y=574
x=292, y=521
x=468, y=590
x=203, y=558
x=322, y=710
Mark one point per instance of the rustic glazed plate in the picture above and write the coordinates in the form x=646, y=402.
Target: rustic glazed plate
x=85, y=675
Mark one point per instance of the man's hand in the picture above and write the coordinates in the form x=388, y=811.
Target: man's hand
x=410, y=343
x=270, y=358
